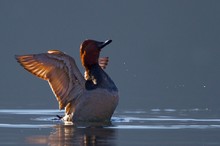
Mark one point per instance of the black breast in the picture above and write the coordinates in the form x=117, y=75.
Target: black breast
x=98, y=78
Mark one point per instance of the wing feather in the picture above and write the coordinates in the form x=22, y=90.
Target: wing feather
x=61, y=72
x=103, y=62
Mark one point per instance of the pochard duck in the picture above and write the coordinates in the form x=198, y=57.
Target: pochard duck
x=92, y=98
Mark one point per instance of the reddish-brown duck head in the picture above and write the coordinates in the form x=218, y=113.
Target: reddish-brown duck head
x=89, y=52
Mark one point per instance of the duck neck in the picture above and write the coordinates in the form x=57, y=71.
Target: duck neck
x=96, y=77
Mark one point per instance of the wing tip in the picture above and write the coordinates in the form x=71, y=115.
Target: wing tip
x=21, y=59
x=17, y=57
x=103, y=62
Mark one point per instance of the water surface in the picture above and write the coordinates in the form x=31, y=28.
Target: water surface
x=129, y=127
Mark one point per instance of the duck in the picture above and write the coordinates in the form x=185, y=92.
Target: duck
x=92, y=98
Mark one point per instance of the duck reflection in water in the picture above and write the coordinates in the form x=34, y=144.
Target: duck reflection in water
x=65, y=135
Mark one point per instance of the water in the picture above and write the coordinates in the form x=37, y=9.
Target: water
x=129, y=127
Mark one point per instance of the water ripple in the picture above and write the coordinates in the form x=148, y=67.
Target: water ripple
x=165, y=126
x=2, y=125
x=128, y=119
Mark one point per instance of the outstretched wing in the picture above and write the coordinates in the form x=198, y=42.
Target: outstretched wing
x=60, y=70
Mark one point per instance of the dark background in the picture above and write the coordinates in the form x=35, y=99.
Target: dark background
x=165, y=54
